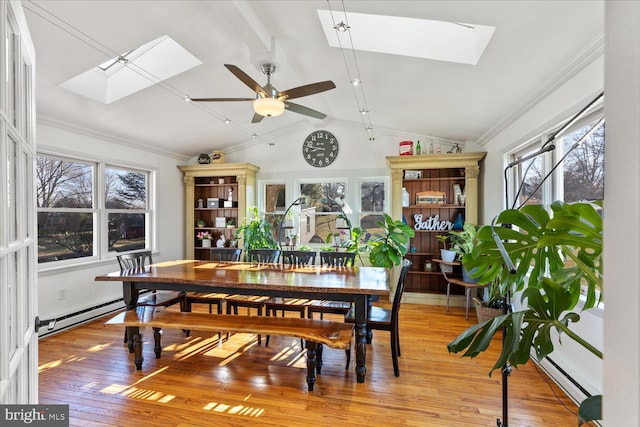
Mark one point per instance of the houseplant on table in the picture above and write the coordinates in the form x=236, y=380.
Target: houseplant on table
x=555, y=259
x=256, y=232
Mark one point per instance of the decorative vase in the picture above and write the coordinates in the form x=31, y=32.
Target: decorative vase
x=406, y=198
x=206, y=243
x=465, y=276
x=447, y=255
x=458, y=224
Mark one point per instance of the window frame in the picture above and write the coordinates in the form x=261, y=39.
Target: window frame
x=553, y=187
x=100, y=212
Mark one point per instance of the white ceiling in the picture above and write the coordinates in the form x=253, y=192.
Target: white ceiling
x=535, y=44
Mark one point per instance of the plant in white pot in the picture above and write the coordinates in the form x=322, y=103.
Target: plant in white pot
x=447, y=254
x=463, y=242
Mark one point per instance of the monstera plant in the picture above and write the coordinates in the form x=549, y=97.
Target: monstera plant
x=388, y=247
x=555, y=258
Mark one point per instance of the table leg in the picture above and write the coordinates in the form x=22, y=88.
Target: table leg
x=311, y=363
x=130, y=295
x=361, y=337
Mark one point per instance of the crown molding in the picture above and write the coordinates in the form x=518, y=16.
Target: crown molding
x=75, y=128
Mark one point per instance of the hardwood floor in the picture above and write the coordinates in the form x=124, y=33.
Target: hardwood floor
x=200, y=382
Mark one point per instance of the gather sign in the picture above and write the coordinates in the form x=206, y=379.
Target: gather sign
x=432, y=223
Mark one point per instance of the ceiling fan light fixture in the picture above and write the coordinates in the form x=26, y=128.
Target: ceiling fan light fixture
x=268, y=107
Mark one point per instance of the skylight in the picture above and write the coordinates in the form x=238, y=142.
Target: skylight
x=133, y=71
x=421, y=38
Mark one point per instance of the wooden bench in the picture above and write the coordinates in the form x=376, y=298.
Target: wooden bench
x=314, y=332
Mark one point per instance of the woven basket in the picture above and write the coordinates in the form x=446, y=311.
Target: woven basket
x=485, y=313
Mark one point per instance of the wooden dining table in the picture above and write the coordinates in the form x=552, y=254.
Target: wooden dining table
x=353, y=284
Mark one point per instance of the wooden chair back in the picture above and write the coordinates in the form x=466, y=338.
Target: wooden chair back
x=264, y=255
x=299, y=257
x=225, y=254
x=338, y=259
x=134, y=260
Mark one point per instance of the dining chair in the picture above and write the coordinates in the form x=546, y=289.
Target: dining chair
x=337, y=259
x=297, y=305
x=332, y=307
x=384, y=319
x=256, y=302
x=221, y=255
x=153, y=299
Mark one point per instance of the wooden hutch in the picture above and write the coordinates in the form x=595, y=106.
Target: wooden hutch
x=439, y=174
x=207, y=188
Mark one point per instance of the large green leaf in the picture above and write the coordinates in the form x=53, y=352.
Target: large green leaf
x=590, y=409
x=532, y=327
x=388, y=248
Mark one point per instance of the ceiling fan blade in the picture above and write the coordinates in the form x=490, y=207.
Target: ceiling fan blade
x=220, y=99
x=301, y=109
x=310, y=89
x=244, y=78
x=257, y=118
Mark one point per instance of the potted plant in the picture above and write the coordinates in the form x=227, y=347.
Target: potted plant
x=493, y=306
x=201, y=223
x=463, y=242
x=205, y=237
x=231, y=223
x=305, y=248
x=256, y=232
x=552, y=257
x=447, y=255
x=358, y=242
x=389, y=247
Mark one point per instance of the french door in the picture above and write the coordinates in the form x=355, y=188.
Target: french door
x=18, y=237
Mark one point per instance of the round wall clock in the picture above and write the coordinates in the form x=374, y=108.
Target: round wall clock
x=320, y=148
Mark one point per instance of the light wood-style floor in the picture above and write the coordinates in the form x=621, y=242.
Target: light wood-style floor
x=201, y=382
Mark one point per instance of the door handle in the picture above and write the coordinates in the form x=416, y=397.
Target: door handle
x=49, y=323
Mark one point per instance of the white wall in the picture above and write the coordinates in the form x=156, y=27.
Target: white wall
x=77, y=283
x=622, y=195
x=561, y=104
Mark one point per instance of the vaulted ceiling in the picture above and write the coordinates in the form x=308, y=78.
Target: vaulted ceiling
x=535, y=45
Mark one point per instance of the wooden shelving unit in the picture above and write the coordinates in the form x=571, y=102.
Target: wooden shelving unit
x=439, y=172
x=203, y=182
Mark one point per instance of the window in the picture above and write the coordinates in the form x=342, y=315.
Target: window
x=373, y=202
x=322, y=217
x=72, y=215
x=126, y=206
x=66, y=214
x=575, y=168
x=275, y=196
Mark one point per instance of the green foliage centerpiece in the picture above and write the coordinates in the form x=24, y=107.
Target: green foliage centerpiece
x=256, y=232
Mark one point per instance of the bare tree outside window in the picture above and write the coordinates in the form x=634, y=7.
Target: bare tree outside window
x=65, y=201
x=68, y=215
x=126, y=203
x=584, y=166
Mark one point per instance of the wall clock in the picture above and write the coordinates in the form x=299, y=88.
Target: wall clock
x=320, y=148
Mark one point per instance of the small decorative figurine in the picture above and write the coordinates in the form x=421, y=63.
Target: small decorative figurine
x=221, y=241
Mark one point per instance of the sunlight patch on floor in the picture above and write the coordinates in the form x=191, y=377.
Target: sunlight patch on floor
x=246, y=411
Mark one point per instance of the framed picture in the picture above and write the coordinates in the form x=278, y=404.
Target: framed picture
x=410, y=174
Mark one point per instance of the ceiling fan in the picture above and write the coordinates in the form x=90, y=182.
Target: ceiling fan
x=268, y=101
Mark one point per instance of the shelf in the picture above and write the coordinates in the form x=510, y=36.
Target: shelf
x=213, y=209
x=423, y=272
x=216, y=185
x=433, y=206
x=446, y=178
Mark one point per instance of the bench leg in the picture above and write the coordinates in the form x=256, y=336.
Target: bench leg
x=137, y=348
x=311, y=364
x=157, y=340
